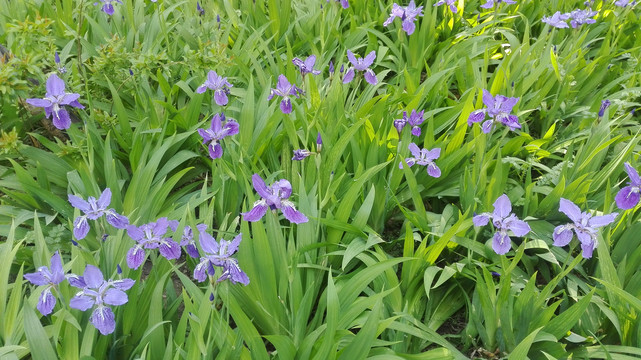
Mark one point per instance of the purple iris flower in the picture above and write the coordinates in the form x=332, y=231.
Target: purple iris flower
x=273, y=197
x=331, y=67
x=624, y=3
x=605, y=104
x=301, y=154
x=187, y=240
x=557, y=20
x=152, y=236
x=415, y=119
x=95, y=291
x=628, y=197
x=284, y=89
x=584, y=225
x=93, y=210
x=219, y=85
x=108, y=7
x=319, y=142
x=503, y=220
x=423, y=157
x=61, y=69
x=200, y=10
x=579, y=17
x=216, y=132
x=450, y=3
x=361, y=64
x=490, y=3
x=54, y=99
x=407, y=15
x=344, y=3
x=219, y=255
x=50, y=278
x=307, y=66
x=498, y=108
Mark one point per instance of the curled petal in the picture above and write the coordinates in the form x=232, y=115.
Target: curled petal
x=588, y=248
x=501, y=243
x=103, y=319
x=626, y=198
x=200, y=271
x=487, y=126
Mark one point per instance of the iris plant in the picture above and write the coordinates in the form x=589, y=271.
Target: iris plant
x=219, y=85
x=415, y=119
x=94, y=209
x=216, y=132
x=503, y=220
x=285, y=90
x=407, y=15
x=584, y=225
x=50, y=278
x=498, y=108
x=424, y=157
x=108, y=7
x=306, y=66
x=219, y=254
x=152, y=236
x=361, y=64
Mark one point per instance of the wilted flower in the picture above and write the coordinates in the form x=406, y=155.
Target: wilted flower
x=273, y=197
x=94, y=209
x=423, y=157
x=407, y=15
x=604, y=105
x=50, y=278
x=152, y=236
x=284, y=89
x=628, y=197
x=300, y=154
x=450, y=3
x=498, y=109
x=188, y=242
x=580, y=17
x=219, y=255
x=54, y=99
x=96, y=291
x=585, y=227
x=216, y=132
x=219, y=85
x=490, y=3
x=557, y=20
x=307, y=66
x=108, y=5
x=503, y=220
x=361, y=64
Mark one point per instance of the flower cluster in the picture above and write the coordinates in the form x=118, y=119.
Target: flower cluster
x=54, y=99
x=577, y=17
x=407, y=15
x=94, y=209
x=415, y=119
x=498, y=108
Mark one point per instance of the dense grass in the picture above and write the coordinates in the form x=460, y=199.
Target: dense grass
x=389, y=265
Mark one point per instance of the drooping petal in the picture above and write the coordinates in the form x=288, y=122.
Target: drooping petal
x=508, y=104
x=635, y=180
x=487, y=126
x=433, y=154
x=192, y=251
x=256, y=213
x=627, y=199
x=123, y=284
x=115, y=296
x=416, y=131
x=39, y=102
x=76, y=281
x=201, y=89
x=518, y=227
x=501, y=243
x=80, y=227
x=476, y=116
x=103, y=319
x=588, y=248
x=93, y=276
x=502, y=207
x=293, y=215
x=135, y=232
x=81, y=302
x=61, y=119
x=135, y=257
x=349, y=76
x=116, y=220
x=481, y=219
x=232, y=271
x=231, y=127
x=46, y=302
x=170, y=250
x=68, y=99
x=433, y=170
x=409, y=26
x=108, y=9
x=283, y=188
x=215, y=150
x=599, y=221
x=286, y=105
x=512, y=122
x=562, y=235
x=570, y=209
x=370, y=77
x=220, y=96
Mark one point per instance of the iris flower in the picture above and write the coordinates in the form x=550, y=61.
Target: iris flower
x=152, y=236
x=216, y=132
x=219, y=85
x=94, y=209
x=273, y=197
x=108, y=7
x=219, y=254
x=498, y=108
x=50, y=278
x=307, y=66
x=285, y=90
x=503, y=220
x=407, y=15
x=628, y=197
x=361, y=64
x=55, y=99
x=424, y=157
x=450, y=3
